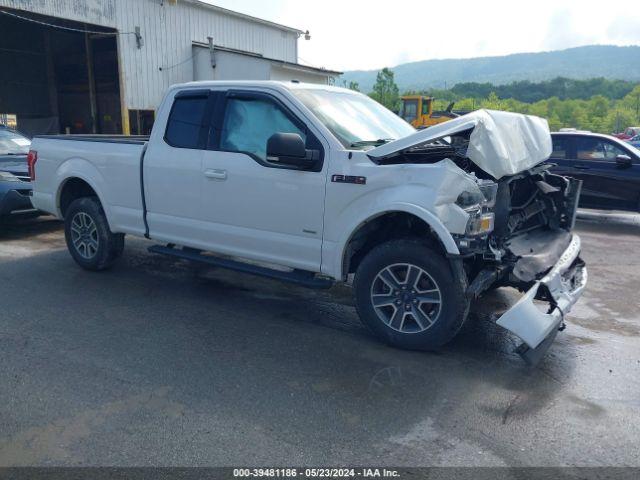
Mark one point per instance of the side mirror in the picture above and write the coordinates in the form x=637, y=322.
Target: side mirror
x=289, y=149
x=623, y=161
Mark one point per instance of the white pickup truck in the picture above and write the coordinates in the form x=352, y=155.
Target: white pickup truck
x=315, y=185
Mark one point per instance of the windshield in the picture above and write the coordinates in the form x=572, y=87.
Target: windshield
x=354, y=119
x=634, y=150
x=12, y=143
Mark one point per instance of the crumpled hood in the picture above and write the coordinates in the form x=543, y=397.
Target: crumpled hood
x=501, y=143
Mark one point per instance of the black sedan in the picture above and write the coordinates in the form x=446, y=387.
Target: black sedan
x=608, y=167
x=15, y=186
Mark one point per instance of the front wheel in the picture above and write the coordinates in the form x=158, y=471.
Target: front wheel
x=90, y=241
x=407, y=295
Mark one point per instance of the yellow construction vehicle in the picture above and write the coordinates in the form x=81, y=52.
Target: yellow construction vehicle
x=418, y=111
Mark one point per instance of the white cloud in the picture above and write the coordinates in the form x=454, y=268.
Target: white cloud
x=357, y=34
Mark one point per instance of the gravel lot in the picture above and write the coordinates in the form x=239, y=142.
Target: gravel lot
x=159, y=362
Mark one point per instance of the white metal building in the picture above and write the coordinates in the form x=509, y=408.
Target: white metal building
x=102, y=66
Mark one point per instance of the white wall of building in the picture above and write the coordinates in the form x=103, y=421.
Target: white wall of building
x=168, y=55
x=237, y=65
x=229, y=66
x=168, y=30
x=97, y=12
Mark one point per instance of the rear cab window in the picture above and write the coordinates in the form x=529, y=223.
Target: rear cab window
x=185, y=123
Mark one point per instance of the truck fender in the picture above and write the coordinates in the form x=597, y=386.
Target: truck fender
x=86, y=171
x=425, y=215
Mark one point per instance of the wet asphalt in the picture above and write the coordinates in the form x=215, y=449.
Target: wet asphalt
x=160, y=362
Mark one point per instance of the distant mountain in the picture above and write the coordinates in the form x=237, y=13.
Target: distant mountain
x=577, y=63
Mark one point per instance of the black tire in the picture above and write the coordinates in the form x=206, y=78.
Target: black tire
x=106, y=246
x=453, y=307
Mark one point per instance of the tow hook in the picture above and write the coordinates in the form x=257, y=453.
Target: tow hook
x=562, y=327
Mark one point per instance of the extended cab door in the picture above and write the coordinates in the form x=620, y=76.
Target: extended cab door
x=255, y=208
x=172, y=170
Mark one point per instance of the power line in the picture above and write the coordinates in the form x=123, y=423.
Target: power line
x=162, y=69
x=60, y=27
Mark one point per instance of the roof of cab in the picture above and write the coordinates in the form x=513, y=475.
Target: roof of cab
x=274, y=84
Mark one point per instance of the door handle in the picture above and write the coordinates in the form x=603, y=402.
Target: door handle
x=216, y=174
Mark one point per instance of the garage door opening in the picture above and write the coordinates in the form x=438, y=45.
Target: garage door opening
x=58, y=81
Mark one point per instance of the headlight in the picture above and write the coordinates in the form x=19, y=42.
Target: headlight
x=470, y=199
x=479, y=223
x=478, y=206
x=8, y=177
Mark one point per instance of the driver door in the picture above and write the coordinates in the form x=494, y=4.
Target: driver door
x=253, y=208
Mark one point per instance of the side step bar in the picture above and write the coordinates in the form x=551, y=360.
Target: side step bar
x=300, y=277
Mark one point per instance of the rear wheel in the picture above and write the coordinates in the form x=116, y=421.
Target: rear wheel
x=407, y=295
x=90, y=241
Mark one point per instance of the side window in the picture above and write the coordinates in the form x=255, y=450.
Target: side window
x=560, y=147
x=611, y=151
x=248, y=124
x=425, y=107
x=589, y=148
x=185, y=122
x=410, y=111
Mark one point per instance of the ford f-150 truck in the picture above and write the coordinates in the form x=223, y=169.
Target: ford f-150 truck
x=317, y=184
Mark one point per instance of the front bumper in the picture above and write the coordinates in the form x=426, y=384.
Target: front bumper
x=562, y=287
x=14, y=199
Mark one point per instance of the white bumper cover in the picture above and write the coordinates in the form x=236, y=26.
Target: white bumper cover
x=565, y=285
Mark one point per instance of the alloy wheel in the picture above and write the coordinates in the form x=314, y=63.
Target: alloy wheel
x=406, y=298
x=84, y=235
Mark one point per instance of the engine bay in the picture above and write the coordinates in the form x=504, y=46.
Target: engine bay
x=534, y=212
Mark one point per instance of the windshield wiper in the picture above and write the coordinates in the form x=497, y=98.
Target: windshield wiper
x=373, y=143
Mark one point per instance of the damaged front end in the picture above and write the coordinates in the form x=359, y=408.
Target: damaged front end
x=520, y=216
x=532, y=248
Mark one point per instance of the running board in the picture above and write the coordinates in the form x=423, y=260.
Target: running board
x=300, y=277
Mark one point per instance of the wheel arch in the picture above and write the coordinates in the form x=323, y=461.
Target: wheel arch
x=82, y=177
x=402, y=221
x=71, y=189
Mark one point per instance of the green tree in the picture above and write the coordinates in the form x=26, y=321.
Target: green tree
x=385, y=91
x=354, y=86
x=598, y=105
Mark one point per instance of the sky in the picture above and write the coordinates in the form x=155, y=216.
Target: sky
x=368, y=35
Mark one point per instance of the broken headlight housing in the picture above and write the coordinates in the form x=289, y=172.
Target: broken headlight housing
x=479, y=205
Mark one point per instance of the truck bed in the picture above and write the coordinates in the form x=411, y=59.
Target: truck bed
x=109, y=164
